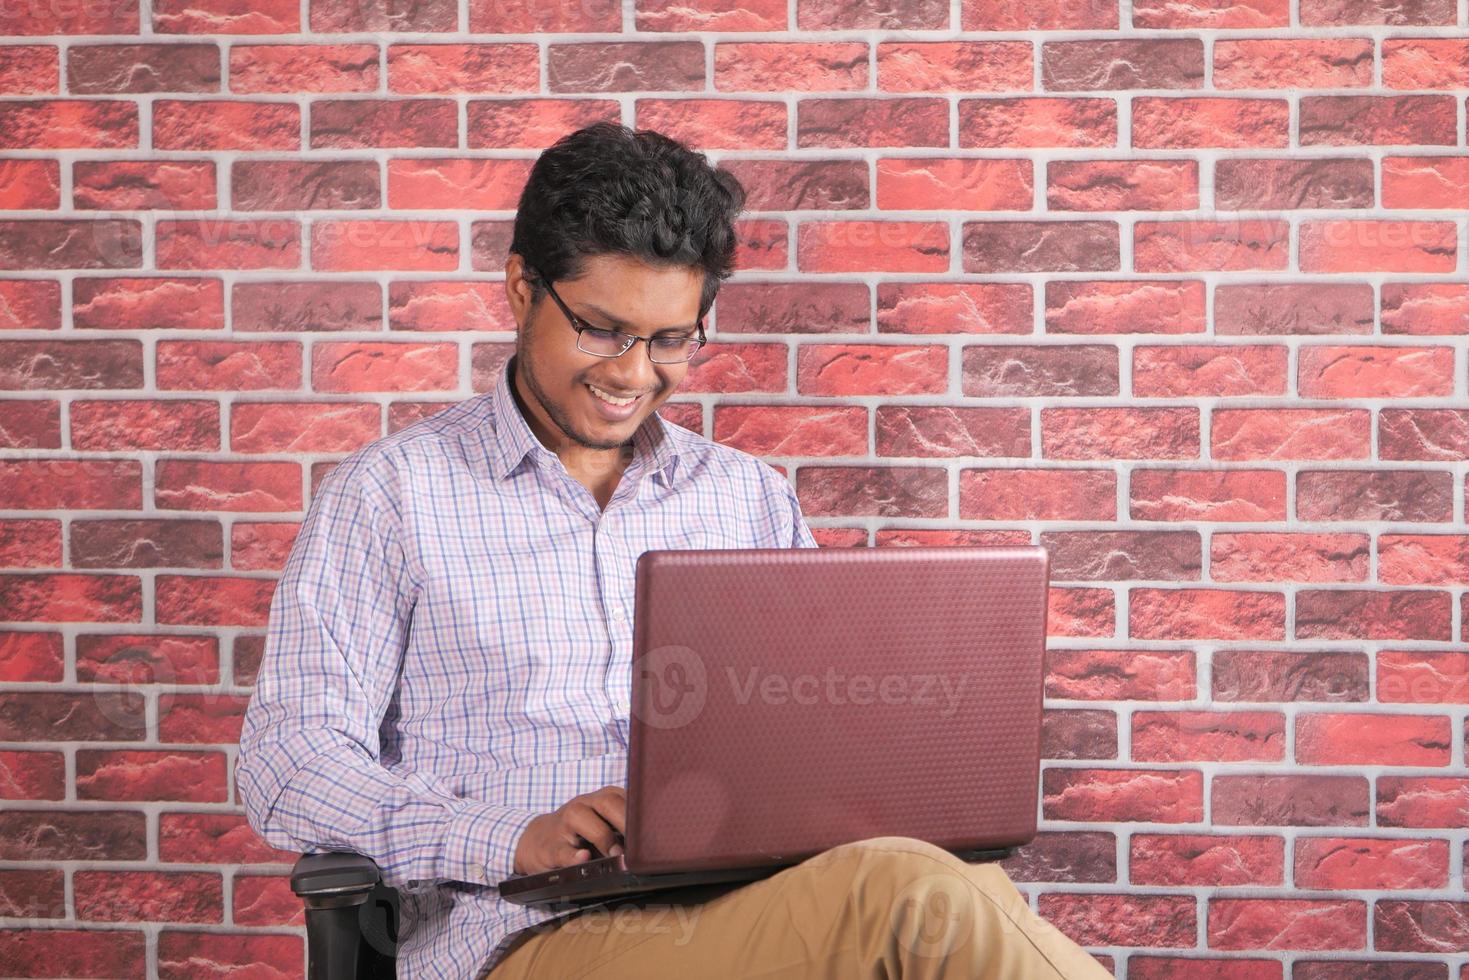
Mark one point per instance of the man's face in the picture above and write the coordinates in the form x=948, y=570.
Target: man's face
x=615, y=288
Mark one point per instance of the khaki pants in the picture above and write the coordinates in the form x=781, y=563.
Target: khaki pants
x=883, y=907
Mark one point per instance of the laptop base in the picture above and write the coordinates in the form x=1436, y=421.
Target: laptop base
x=601, y=879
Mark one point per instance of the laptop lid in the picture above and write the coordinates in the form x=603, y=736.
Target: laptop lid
x=787, y=700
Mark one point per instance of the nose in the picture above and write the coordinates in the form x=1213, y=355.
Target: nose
x=634, y=370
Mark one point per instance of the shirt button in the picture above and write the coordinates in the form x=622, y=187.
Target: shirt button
x=618, y=615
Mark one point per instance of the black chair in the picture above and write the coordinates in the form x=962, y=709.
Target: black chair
x=351, y=917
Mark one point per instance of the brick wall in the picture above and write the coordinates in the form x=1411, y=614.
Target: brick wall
x=1177, y=290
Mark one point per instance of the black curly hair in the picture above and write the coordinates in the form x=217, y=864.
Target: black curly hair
x=606, y=188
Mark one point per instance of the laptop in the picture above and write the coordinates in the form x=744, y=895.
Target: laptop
x=788, y=700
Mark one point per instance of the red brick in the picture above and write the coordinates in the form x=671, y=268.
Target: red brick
x=72, y=835
x=1204, y=246
x=1037, y=494
x=1425, y=63
x=46, y=243
x=1210, y=860
x=800, y=185
x=1434, y=926
x=134, y=185
x=31, y=776
x=1124, y=306
x=1363, y=614
x=355, y=246
x=1116, y=795
x=1290, y=433
x=854, y=491
x=65, y=598
x=1378, y=246
x=1002, y=370
x=1375, y=372
x=1354, y=120
x=1070, y=856
x=33, y=423
x=73, y=952
x=942, y=183
x=266, y=900
x=814, y=15
x=1094, y=65
x=190, y=484
x=1208, y=736
x=1041, y=246
x=1071, y=733
x=30, y=544
x=938, y=430
x=140, y=774
x=507, y=16
x=1424, y=182
x=1223, y=614
x=872, y=369
x=419, y=69
x=36, y=894
x=296, y=427
x=764, y=66
x=1162, y=123
x=99, y=69
x=367, y=123
x=728, y=368
x=51, y=124
x=1189, y=371
x=872, y=246
x=1266, y=556
x=1122, y=920
x=290, y=68
x=950, y=307
x=361, y=366
x=177, y=425
x=201, y=600
x=1122, y=185
x=1207, y=495
x=148, y=303
x=1422, y=801
x=31, y=304
x=1254, y=63
x=214, y=838
x=1334, y=12
x=309, y=306
x=1120, y=433
x=1108, y=555
x=1422, y=676
x=224, y=124
x=1081, y=612
x=1117, y=675
x=148, y=896
x=1424, y=434
x=31, y=69
x=717, y=124
x=273, y=243
x=1289, y=675
x=1041, y=15
x=795, y=430
x=223, y=17
x=261, y=545
x=949, y=66
x=1292, y=308
x=294, y=185
x=537, y=123
x=182, y=955
x=1369, y=863
x=1373, y=495
x=1280, y=184
x=140, y=658
x=1286, y=923
x=1264, y=800
x=1373, y=739
x=83, y=483
x=1175, y=14
x=1201, y=968
x=1037, y=122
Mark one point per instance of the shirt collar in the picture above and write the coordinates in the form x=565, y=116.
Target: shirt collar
x=654, y=442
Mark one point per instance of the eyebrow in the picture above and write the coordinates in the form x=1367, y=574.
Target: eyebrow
x=620, y=323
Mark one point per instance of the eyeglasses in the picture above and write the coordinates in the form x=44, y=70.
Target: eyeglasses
x=614, y=343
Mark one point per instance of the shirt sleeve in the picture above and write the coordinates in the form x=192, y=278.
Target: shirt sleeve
x=309, y=775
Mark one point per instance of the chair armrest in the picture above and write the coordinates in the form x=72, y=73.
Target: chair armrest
x=337, y=874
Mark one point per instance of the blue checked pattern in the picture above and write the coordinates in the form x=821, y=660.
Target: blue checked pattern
x=449, y=651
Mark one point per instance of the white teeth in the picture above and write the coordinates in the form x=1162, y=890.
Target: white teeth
x=609, y=399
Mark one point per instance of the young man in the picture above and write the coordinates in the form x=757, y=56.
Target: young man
x=446, y=680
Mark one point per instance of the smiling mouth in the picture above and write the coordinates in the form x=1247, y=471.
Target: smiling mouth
x=609, y=398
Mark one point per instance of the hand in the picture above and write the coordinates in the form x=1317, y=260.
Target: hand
x=561, y=837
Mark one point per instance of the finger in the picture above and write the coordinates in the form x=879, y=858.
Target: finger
x=589, y=823
x=610, y=802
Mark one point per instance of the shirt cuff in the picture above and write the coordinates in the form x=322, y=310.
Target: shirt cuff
x=479, y=846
